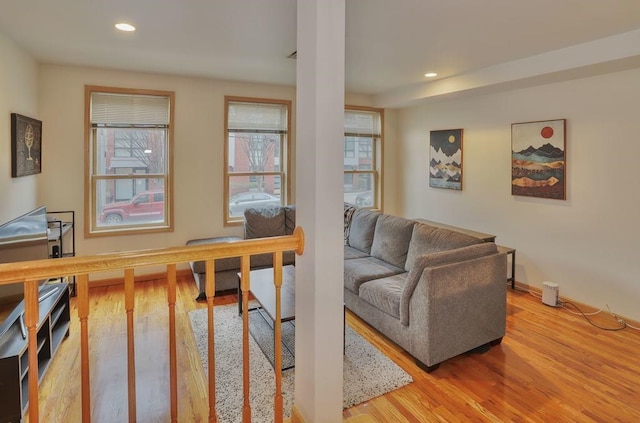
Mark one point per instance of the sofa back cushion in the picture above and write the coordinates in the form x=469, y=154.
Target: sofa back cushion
x=391, y=239
x=264, y=222
x=363, y=224
x=429, y=239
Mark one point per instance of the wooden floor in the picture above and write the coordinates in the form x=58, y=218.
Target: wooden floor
x=551, y=367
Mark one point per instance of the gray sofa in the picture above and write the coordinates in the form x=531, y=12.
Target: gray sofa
x=434, y=292
x=258, y=223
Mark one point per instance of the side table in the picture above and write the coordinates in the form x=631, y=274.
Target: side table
x=512, y=251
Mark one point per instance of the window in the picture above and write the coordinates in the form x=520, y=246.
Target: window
x=256, y=154
x=349, y=148
x=363, y=156
x=128, y=161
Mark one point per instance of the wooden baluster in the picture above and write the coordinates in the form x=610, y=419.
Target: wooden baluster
x=82, y=287
x=173, y=363
x=31, y=317
x=129, y=301
x=245, y=285
x=277, y=338
x=210, y=291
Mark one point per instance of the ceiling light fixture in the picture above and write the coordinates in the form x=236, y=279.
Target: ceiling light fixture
x=430, y=74
x=125, y=27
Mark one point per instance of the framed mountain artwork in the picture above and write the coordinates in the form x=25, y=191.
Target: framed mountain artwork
x=538, y=159
x=445, y=159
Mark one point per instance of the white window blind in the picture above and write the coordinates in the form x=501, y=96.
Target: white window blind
x=361, y=123
x=129, y=109
x=257, y=117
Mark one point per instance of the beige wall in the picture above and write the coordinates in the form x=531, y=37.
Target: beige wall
x=198, y=149
x=587, y=244
x=18, y=94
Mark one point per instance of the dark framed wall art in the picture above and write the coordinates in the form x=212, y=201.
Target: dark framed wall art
x=445, y=159
x=538, y=159
x=26, y=145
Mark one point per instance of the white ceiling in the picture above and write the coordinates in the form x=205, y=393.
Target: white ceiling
x=390, y=44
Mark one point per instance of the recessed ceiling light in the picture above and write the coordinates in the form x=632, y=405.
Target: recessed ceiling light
x=125, y=27
x=430, y=74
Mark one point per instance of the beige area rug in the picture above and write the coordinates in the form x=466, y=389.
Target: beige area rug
x=367, y=372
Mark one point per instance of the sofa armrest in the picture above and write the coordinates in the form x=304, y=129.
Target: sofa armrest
x=460, y=306
x=418, y=263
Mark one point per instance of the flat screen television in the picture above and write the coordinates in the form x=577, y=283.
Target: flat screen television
x=21, y=239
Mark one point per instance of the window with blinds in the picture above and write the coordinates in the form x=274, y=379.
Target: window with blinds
x=129, y=178
x=256, y=154
x=363, y=157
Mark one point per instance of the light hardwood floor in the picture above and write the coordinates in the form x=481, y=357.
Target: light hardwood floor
x=551, y=367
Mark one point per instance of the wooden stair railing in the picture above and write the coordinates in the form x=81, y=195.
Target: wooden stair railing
x=31, y=272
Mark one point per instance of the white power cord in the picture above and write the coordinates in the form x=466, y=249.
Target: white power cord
x=622, y=322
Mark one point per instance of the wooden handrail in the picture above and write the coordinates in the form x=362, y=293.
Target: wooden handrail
x=30, y=272
x=84, y=265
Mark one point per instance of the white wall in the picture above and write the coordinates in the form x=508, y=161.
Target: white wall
x=18, y=94
x=587, y=244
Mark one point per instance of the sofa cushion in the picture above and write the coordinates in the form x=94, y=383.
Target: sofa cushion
x=363, y=224
x=438, y=259
x=220, y=264
x=429, y=239
x=385, y=293
x=289, y=219
x=264, y=222
x=360, y=270
x=352, y=253
x=391, y=239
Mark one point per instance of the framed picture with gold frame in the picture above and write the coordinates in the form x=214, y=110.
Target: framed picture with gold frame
x=26, y=145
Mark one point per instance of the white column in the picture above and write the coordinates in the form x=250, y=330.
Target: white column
x=319, y=202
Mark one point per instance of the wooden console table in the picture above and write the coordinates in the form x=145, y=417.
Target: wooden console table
x=485, y=238
x=511, y=251
x=482, y=236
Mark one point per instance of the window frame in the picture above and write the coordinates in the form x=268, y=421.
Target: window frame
x=284, y=148
x=376, y=154
x=92, y=178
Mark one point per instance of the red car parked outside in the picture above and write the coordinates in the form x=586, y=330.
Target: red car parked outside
x=145, y=206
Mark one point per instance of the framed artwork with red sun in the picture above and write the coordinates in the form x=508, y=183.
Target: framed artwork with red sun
x=538, y=159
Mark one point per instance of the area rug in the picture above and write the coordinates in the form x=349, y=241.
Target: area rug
x=367, y=372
